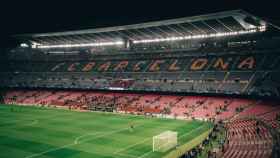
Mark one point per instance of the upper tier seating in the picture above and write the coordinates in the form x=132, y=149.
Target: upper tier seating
x=238, y=73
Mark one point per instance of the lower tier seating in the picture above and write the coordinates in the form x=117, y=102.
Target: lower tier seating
x=189, y=107
x=247, y=139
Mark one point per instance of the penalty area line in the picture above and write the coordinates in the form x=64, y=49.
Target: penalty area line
x=130, y=146
x=72, y=144
x=147, y=153
x=126, y=155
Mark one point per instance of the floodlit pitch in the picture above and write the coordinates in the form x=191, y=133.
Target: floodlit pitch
x=33, y=132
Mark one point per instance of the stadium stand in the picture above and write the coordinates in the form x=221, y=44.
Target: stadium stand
x=247, y=138
x=218, y=67
x=198, y=107
x=259, y=140
x=240, y=76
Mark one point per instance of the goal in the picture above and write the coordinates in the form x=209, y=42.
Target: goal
x=165, y=141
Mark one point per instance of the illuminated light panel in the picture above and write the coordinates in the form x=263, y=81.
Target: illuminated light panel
x=24, y=45
x=259, y=29
x=81, y=45
x=262, y=28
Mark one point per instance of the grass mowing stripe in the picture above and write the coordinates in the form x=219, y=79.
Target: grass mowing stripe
x=130, y=146
x=72, y=144
x=69, y=134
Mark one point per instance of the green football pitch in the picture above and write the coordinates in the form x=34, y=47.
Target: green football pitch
x=34, y=132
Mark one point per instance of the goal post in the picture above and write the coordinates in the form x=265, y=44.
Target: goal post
x=165, y=141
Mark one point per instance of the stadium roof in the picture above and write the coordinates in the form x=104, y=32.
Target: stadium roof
x=215, y=23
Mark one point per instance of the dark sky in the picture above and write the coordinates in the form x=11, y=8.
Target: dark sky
x=27, y=16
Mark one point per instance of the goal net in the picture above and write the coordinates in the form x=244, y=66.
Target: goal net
x=165, y=141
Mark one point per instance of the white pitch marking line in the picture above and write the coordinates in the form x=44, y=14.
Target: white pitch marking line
x=147, y=153
x=35, y=121
x=88, y=134
x=68, y=145
x=123, y=149
x=127, y=155
x=27, y=124
x=47, y=151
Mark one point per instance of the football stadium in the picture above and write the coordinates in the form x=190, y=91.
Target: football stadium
x=193, y=87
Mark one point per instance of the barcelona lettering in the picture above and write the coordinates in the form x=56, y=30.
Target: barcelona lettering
x=158, y=65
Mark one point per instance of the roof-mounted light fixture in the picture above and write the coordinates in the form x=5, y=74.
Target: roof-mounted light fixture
x=81, y=45
x=201, y=36
x=24, y=45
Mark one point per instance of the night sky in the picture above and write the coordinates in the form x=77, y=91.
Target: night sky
x=20, y=16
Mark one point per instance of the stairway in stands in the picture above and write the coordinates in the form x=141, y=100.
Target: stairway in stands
x=1, y=96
